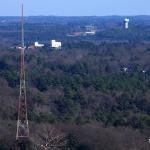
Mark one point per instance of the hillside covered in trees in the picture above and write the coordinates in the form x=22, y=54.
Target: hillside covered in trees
x=96, y=91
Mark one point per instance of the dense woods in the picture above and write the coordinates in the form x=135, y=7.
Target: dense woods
x=83, y=90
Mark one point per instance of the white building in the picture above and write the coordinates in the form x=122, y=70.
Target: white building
x=36, y=44
x=90, y=32
x=126, y=23
x=20, y=47
x=55, y=44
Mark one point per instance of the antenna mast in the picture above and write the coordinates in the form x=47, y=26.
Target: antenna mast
x=22, y=26
x=22, y=134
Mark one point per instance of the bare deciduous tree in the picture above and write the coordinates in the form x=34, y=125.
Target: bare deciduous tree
x=48, y=138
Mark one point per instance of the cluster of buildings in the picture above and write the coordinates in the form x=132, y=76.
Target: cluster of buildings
x=53, y=44
x=88, y=30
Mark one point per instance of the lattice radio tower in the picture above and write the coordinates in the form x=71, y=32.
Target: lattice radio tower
x=22, y=124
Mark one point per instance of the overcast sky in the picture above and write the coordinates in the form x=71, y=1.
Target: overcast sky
x=75, y=7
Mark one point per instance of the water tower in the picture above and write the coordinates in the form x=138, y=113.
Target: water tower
x=126, y=23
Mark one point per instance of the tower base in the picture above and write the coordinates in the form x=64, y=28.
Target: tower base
x=22, y=144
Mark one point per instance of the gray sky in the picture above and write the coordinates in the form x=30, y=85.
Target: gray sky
x=75, y=7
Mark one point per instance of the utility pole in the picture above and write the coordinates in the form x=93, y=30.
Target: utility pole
x=22, y=134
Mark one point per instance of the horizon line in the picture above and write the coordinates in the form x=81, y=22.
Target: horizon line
x=74, y=15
